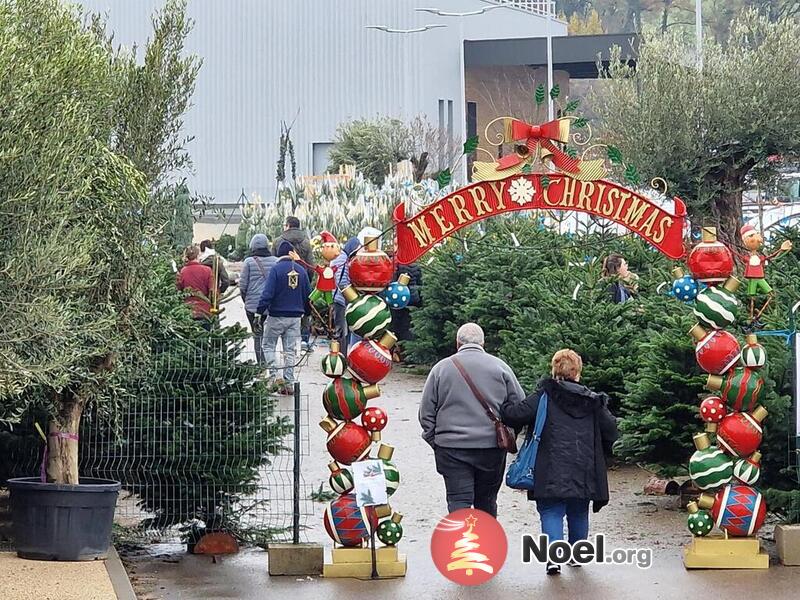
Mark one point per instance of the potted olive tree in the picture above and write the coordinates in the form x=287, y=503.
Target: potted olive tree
x=85, y=138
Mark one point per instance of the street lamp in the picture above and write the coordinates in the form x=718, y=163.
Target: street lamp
x=698, y=31
x=387, y=29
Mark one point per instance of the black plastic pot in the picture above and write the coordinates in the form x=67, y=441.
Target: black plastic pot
x=62, y=522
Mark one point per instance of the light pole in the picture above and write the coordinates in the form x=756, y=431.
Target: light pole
x=550, y=9
x=698, y=31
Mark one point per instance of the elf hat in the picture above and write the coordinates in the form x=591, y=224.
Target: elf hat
x=747, y=231
x=327, y=237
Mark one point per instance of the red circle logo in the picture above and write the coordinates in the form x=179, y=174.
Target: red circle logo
x=469, y=546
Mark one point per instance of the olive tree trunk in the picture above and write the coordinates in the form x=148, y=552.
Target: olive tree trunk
x=62, y=441
x=726, y=207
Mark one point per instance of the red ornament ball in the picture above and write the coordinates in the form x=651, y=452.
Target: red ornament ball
x=371, y=270
x=712, y=409
x=347, y=523
x=348, y=443
x=710, y=261
x=737, y=508
x=369, y=361
x=374, y=419
x=739, y=434
x=717, y=352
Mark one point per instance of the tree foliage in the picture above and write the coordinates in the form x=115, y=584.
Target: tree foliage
x=585, y=24
x=79, y=229
x=704, y=130
x=371, y=145
x=198, y=421
x=375, y=146
x=154, y=96
x=630, y=16
x=639, y=352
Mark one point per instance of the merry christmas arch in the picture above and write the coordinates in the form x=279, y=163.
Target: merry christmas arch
x=558, y=192
x=726, y=464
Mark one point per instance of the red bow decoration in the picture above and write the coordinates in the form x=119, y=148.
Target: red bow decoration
x=539, y=140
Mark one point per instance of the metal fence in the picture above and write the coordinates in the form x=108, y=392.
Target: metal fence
x=203, y=443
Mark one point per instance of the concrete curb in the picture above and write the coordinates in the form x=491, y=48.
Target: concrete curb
x=118, y=576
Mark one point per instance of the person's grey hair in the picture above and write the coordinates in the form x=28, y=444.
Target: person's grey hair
x=469, y=333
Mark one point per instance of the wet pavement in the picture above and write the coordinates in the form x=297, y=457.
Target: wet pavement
x=245, y=577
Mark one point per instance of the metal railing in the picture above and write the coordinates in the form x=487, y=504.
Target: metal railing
x=204, y=444
x=537, y=7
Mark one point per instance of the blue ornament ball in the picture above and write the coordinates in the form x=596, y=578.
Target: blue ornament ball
x=685, y=288
x=397, y=295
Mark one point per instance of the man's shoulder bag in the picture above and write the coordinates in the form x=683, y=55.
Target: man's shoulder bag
x=505, y=437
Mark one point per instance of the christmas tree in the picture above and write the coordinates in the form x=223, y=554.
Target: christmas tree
x=465, y=556
x=196, y=426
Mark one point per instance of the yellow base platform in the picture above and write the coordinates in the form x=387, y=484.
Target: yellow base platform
x=357, y=563
x=717, y=552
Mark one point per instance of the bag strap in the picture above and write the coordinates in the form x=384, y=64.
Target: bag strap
x=475, y=391
x=260, y=268
x=541, y=416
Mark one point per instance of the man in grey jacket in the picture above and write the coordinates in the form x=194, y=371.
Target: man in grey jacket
x=456, y=425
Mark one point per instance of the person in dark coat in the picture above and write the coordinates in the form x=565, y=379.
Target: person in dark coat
x=570, y=468
x=624, y=284
x=251, y=283
x=401, y=318
x=301, y=244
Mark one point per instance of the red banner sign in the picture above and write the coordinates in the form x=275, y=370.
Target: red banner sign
x=662, y=229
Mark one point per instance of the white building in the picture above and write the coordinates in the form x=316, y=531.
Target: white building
x=265, y=61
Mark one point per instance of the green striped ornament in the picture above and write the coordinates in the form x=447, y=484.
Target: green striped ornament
x=710, y=468
x=344, y=398
x=716, y=307
x=740, y=388
x=754, y=355
x=334, y=364
x=392, y=477
x=341, y=481
x=368, y=316
x=747, y=470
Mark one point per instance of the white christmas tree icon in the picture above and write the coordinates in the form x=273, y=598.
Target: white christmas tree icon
x=464, y=555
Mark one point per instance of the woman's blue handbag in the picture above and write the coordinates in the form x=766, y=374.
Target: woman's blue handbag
x=520, y=473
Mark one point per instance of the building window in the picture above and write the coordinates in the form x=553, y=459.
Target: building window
x=449, y=132
x=320, y=157
x=446, y=125
x=472, y=131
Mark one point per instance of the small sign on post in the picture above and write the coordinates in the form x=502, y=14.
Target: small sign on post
x=369, y=482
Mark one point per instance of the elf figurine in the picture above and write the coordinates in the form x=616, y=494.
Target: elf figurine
x=754, y=263
x=326, y=283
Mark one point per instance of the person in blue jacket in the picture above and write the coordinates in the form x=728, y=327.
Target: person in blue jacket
x=285, y=301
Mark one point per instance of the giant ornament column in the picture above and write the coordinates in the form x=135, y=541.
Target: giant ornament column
x=726, y=461
x=354, y=428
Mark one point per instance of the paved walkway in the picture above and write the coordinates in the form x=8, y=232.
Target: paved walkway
x=46, y=580
x=245, y=577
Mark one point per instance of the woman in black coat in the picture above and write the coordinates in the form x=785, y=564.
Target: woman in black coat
x=570, y=468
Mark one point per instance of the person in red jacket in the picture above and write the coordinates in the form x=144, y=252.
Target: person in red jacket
x=197, y=280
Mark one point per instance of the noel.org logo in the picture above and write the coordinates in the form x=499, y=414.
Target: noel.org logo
x=469, y=546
